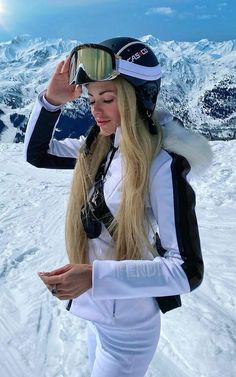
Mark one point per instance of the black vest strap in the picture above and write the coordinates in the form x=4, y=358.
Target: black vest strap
x=105, y=214
x=95, y=212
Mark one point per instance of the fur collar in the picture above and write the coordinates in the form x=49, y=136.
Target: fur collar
x=185, y=142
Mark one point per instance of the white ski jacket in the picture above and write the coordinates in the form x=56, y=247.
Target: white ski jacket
x=122, y=291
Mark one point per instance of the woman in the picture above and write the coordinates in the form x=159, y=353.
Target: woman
x=130, y=186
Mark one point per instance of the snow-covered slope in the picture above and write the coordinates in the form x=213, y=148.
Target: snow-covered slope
x=38, y=337
x=199, y=84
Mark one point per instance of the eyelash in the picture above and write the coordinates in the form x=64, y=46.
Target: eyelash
x=105, y=101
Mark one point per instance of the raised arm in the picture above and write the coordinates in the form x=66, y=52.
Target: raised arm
x=41, y=149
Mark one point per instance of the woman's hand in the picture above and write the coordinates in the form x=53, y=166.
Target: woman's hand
x=69, y=281
x=59, y=90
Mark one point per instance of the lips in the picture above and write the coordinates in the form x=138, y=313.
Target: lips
x=102, y=122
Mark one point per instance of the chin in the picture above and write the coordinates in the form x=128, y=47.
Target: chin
x=106, y=133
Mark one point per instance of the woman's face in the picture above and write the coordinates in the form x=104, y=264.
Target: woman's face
x=103, y=103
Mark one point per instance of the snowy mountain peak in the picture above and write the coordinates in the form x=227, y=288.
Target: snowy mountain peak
x=198, y=83
x=150, y=39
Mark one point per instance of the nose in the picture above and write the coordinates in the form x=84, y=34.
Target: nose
x=97, y=108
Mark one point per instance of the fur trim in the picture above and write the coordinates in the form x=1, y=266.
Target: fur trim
x=185, y=142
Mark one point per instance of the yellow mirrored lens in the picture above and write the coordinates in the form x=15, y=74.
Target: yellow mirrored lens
x=72, y=69
x=96, y=63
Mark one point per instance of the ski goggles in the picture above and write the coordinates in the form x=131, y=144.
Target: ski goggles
x=93, y=62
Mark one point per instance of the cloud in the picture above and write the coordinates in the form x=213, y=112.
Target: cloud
x=164, y=11
x=221, y=6
x=206, y=16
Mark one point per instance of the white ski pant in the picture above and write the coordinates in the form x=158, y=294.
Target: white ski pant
x=121, y=352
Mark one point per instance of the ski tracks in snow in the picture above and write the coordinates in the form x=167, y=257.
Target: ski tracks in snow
x=39, y=337
x=35, y=328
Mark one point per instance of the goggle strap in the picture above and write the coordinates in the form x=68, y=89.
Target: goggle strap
x=138, y=71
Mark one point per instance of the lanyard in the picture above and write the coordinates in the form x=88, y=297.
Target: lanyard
x=103, y=169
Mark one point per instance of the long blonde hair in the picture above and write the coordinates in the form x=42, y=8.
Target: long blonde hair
x=138, y=148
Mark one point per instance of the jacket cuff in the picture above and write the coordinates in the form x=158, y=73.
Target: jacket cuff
x=47, y=105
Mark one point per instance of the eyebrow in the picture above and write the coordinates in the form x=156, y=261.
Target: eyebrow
x=104, y=91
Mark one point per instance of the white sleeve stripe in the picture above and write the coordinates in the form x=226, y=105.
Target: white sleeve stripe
x=66, y=148
x=31, y=125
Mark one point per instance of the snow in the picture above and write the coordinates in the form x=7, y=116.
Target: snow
x=190, y=71
x=40, y=338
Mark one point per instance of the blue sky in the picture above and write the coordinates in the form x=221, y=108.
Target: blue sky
x=95, y=20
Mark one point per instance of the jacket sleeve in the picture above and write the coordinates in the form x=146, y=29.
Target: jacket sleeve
x=41, y=149
x=180, y=268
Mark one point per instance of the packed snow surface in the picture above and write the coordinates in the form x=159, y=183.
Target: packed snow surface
x=38, y=337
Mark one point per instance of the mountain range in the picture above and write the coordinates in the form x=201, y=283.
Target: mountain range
x=198, y=85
